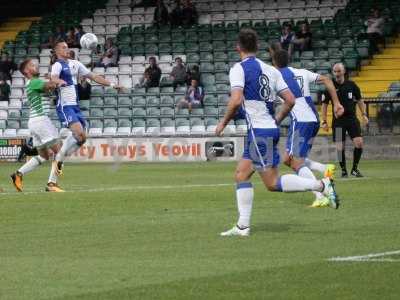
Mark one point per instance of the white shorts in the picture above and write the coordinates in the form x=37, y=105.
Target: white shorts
x=44, y=133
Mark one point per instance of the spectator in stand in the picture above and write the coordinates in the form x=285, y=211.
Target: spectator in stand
x=161, y=16
x=189, y=14
x=110, y=56
x=287, y=38
x=60, y=34
x=194, y=96
x=71, y=42
x=302, y=40
x=7, y=66
x=78, y=34
x=178, y=74
x=49, y=43
x=5, y=89
x=176, y=14
x=375, y=24
x=193, y=73
x=152, y=75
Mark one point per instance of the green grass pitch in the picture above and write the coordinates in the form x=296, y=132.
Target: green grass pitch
x=151, y=231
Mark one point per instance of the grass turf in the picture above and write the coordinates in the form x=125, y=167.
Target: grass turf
x=150, y=231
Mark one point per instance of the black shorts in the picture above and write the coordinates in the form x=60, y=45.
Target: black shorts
x=342, y=126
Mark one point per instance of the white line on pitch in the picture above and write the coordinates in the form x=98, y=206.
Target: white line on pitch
x=128, y=188
x=366, y=257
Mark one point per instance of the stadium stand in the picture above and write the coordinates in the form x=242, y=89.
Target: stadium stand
x=336, y=26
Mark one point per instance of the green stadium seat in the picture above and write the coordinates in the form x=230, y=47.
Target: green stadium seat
x=210, y=111
x=167, y=90
x=110, y=101
x=110, y=112
x=178, y=47
x=181, y=112
x=167, y=112
x=220, y=56
x=192, y=57
x=96, y=123
x=334, y=43
x=335, y=53
x=153, y=91
x=164, y=48
x=152, y=101
x=110, y=123
x=221, y=78
x=138, y=112
x=124, y=112
x=219, y=46
x=223, y=88
x=96, y=101
x=308, y=64
x=124, y=123
x=153, y=112
x=321, y=54
x=210, y=100
x=124, y=101
x=96, y=113
x=221, y=66
x=138, y=123
x=205, y=47
x=206, y=57
x=139, y=101
x=192, y=47
x=307, y=55
x=207, y=79
x=151, y=49
x=206, y=67
x=167, y=100
x=233, y=56
x=14, y=114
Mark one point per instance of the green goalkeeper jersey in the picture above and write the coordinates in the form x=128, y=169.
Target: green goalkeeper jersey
x=38, y=106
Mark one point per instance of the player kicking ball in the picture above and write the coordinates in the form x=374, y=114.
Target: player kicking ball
x=254, y=87
x=67, y=71
x=304, y=120
x=44, y=134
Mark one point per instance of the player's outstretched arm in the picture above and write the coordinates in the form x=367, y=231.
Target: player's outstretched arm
x=233, y=105
x=363, y=108
x=50, y=86
x=324, y=111
x=288, y=102
x=337, y=107
x=101, y=80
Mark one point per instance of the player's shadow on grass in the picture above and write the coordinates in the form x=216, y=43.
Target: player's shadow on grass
x=272, y=227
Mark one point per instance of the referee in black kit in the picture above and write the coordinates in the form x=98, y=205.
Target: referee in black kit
x=349, y=95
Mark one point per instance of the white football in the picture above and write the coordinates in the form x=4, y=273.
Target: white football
x=89, y=41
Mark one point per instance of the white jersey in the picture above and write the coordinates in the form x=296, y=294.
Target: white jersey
x=69, y=71
x=304, y=109
x=260, y=83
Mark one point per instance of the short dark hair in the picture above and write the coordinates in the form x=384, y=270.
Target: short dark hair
x=59, y=41
x=275, y=47
x=23, y=65
x=248, y=40
x=281, y=58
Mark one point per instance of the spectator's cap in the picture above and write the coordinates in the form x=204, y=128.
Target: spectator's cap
x=248, y=40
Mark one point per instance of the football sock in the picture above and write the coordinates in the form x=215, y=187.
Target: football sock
x=31, y=164
x=244, y=198
x=53, y=177
x=306, y=173
x=356, y=157
x=69, y=146
x=314, y=165
x=341, y=154
x=294, y=183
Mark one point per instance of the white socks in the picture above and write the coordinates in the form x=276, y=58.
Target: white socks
x=31, y=164
x=306, y=173
x=53, y=177
x=294, y=183
x=315, y=166
x=244, y=198
x=69, y=146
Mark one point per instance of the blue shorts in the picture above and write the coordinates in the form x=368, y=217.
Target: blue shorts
x=300, y=138
x=70, y=114
x=261, y=147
